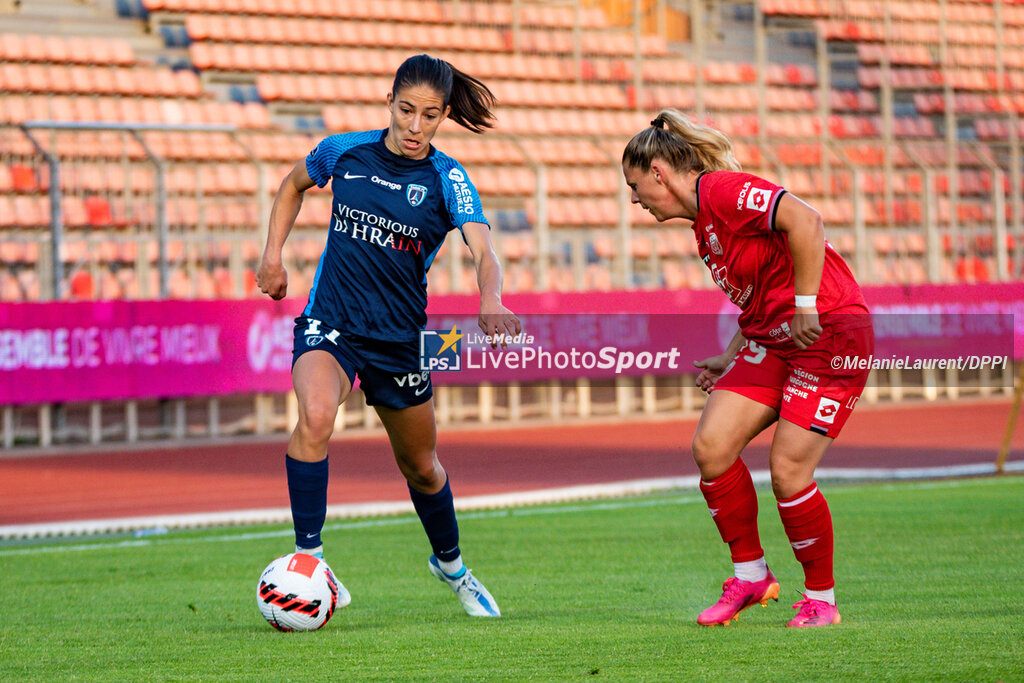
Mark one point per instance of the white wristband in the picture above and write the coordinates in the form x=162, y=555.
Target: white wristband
x=803, y=301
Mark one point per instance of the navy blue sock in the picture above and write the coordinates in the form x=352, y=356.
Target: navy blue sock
x=307, y=490
x=437, y=513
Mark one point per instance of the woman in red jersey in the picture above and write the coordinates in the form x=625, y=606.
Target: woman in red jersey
x=801, y=308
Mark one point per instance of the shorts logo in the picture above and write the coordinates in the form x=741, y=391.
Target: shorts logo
x=415, y=194
x=758, y=199
x=441, y=351
x=314, y=335
x=827, y=409
x=414, y=379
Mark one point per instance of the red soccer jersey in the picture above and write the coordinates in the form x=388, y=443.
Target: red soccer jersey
x=751, y=261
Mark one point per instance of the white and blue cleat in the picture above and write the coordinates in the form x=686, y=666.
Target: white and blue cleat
x=342, y=597
x=474, y=597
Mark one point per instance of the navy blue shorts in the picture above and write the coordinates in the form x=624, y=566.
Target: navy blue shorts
x=389, y=372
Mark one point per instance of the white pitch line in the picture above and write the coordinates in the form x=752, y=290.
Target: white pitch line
x=348, y=526
x=409, y=519
x=157, y=524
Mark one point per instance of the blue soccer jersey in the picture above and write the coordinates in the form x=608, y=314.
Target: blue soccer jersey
x=389, y=217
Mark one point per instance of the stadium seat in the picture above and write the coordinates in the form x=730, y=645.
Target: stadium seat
x=10, y=290
x=28, y=280
x=98, y=213
x=81, y=286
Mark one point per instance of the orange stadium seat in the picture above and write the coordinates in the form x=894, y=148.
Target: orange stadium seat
x=81, y=286
x=223, y=283
x=673, y=275
x=571, y=115
x=97, y=211
x=10, y=290
x=12, y=47
x=110, y=288
x=641, y=247
x=597, y=277
x=11, y=252
x=7, y=211
x=24, y=179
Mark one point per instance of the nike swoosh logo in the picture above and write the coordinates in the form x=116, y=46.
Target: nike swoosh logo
x=420, y=391
x=310, y=535
x=349, y=176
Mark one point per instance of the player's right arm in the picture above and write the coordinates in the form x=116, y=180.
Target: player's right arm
x=271, y=277
x=712, y=368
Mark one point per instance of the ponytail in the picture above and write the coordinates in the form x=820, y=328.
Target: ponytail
x=685, y=145
x=471, y=101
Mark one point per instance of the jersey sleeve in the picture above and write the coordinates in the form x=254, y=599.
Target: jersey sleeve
x=460, y=195
x=321, y=160
x=746, y=203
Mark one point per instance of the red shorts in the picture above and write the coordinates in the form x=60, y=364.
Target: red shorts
x=801, y=384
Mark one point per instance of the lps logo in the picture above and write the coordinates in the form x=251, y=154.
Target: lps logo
x=441, y=351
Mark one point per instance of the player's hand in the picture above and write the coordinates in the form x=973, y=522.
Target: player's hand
x=711, y=369
x=497, y=320
x=272, y=278
x=805, y=327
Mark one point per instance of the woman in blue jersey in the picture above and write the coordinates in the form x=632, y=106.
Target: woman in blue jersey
x=396, y=197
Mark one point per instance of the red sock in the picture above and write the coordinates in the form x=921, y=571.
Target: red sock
x=808, y=525
x=733, y=504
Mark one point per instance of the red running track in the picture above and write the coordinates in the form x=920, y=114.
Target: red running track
x=249, y=474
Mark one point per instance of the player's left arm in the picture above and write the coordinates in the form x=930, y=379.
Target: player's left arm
x=494, y=318
x=806, y=233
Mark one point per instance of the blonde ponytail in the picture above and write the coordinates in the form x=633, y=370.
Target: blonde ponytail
x=687, y=146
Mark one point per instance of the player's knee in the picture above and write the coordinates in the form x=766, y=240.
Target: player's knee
x=788, y=478
x=316, y=421
x=712, y=454
x=423, y=472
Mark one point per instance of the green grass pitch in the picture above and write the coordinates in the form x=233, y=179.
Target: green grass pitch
x=928, y=580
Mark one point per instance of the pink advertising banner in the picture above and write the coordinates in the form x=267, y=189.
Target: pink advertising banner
x=132, y=349
x=87, y=351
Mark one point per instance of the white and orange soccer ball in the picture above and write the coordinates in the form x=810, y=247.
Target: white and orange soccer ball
x=298, y=592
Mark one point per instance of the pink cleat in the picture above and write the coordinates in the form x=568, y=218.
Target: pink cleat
x=737, y=596
x=814, y=613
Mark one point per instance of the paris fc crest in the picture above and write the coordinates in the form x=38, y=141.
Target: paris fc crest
x=415, y=194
